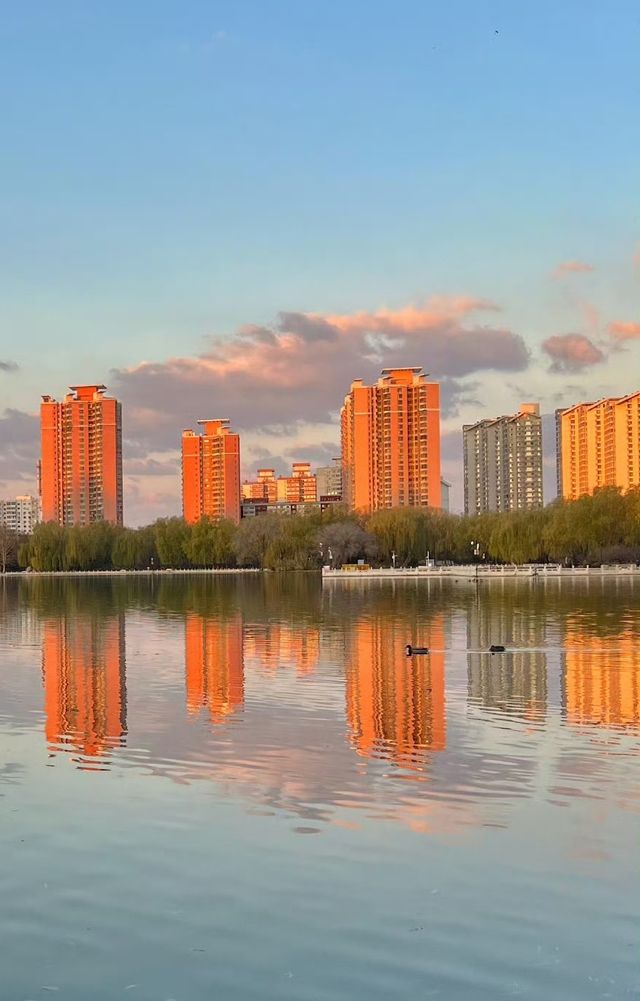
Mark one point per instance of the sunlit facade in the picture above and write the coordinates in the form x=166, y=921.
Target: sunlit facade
x=81, y=457
x=300, y=487
x=599, y=445
x=263, y=488
x=390, y=436
x=211, y=472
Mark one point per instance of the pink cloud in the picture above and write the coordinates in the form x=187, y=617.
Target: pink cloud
x=572, y=267
x=282, y=384
x=572, y=352
x=624, y=331
x=433, y=313
x=299, y=368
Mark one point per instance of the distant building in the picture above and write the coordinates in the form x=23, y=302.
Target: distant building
x=445, y=489
x=253, y=508
x=300, y=487
x=81, y=457
x=391, y=442
x=21, y=514
x=599, y=445
x=503, y=462
x=329, y=479
x=265, y=487
x=211, y=472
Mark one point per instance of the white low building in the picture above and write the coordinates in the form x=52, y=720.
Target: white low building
x=20, y=514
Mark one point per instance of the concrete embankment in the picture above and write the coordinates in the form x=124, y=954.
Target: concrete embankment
x=481, y=572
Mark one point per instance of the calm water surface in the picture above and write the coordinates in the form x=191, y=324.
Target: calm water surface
x=240, y=788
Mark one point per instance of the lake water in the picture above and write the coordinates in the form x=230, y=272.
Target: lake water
x=241, y=788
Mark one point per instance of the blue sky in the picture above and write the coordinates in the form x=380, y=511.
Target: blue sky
x=172, y=172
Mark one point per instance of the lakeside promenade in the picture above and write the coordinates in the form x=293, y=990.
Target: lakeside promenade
x=480, y=572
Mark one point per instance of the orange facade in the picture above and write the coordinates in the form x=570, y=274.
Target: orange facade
x=83, y=671
x=391, y=442
x=300, y=487
x=81, y=457
x=600, y=445
x=214, y=665
x=264, y=488
x=395, y=704
x=211, y=472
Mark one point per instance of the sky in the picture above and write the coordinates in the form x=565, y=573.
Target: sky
x=233, y=209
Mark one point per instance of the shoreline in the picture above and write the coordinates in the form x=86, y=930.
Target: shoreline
x=468, y=573
x=26, y=575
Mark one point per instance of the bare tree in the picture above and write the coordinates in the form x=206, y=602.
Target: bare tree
x=344, y=541
x=8, y=547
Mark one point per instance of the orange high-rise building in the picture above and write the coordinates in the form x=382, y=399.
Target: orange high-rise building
x=214, y=665
x=395, y=704
x=599, y=445
x=83, y=671
x=391, y=442
x=211, y=472
x=81, y=457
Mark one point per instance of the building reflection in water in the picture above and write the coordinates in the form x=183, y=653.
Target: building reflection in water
x=214, y=665
x=395, y=703
x=83, y=671
x=515, y=681
x=601, y=678
x=277, y=644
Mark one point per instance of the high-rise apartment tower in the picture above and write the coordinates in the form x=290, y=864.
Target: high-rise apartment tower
x=81, y=457
x=211, y=472
x=599, y=445
x=391, y=442
x=503, y=462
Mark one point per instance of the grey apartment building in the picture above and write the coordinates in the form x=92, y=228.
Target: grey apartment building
x=503, y=462
x=329, y=479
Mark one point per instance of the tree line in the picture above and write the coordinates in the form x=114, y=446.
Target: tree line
x=601, y=528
